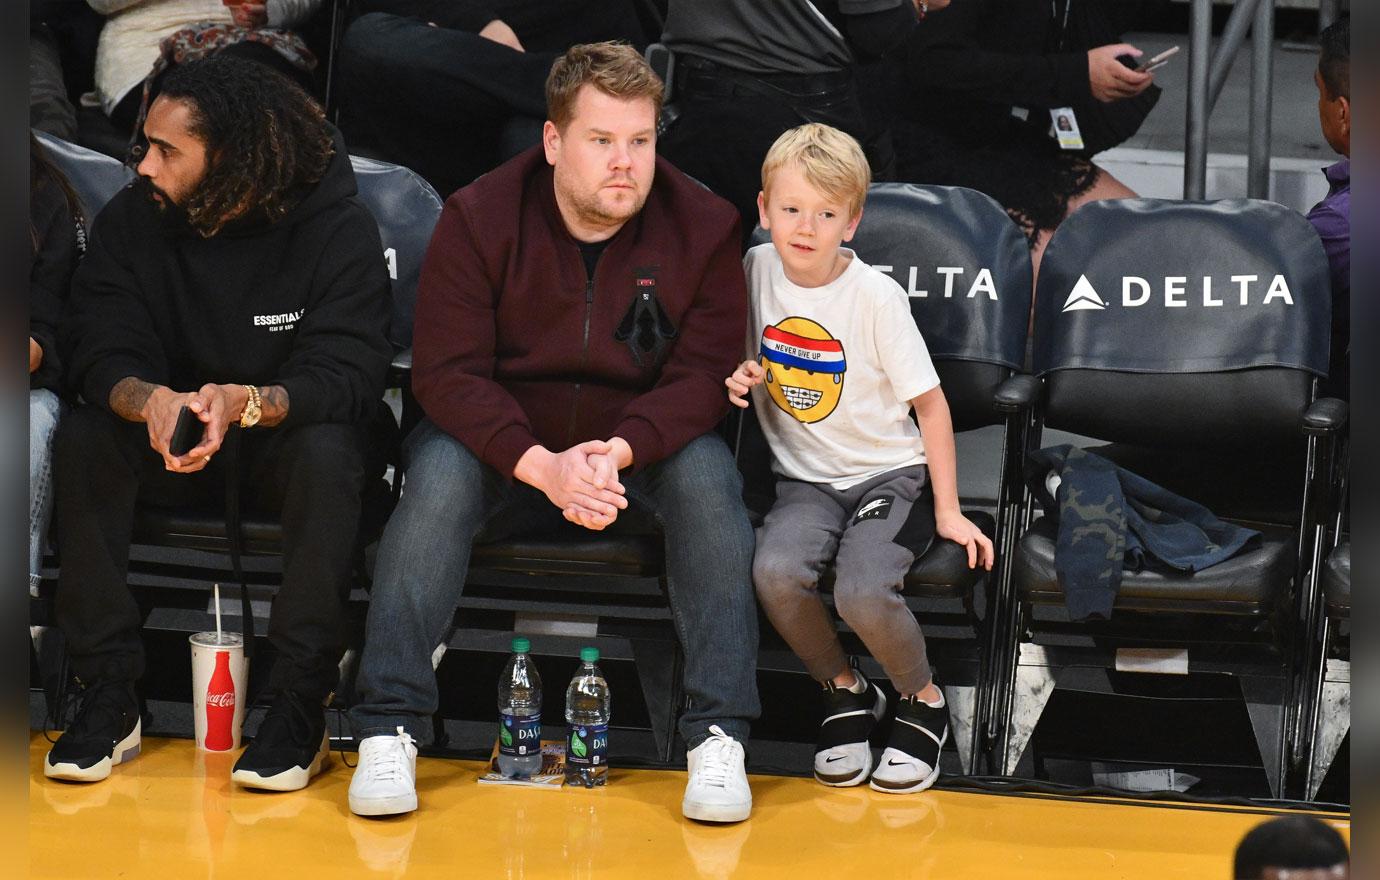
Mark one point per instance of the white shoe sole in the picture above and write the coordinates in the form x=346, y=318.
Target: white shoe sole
x=384, y=806
x=126, y=750
x=878, y=710
x=906, y=789
x=856, y=779
x=292, y=779
x=715, y=812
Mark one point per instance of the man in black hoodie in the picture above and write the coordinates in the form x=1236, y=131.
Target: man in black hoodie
x=238, y=277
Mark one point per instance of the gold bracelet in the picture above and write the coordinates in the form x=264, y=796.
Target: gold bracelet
x=253, y=408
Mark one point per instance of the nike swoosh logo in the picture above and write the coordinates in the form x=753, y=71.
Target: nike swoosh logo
x=833, y=759
x=892, y=762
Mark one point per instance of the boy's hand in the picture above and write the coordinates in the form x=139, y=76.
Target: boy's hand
x=748, y=374
x=959, y=529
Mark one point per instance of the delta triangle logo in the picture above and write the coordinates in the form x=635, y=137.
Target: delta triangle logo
x=1083, y=297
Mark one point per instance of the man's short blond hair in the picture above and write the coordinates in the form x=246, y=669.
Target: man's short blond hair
x=831, y=161
x=614, y=68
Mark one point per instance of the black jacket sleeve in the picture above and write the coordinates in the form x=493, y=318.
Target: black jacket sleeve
x=340, y=351
x=57, y=241
x=955, y=52
x=107, y=333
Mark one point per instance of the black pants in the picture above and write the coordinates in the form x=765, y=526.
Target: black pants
x=726, y=121
x=439, y=101
x=313, y=475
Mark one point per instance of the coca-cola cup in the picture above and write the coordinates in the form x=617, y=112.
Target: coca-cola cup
x=219, y=674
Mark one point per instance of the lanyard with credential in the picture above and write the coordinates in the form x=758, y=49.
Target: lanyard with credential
x=1064, y=25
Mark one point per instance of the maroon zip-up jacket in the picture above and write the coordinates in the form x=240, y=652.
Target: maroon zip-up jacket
x=514, y=348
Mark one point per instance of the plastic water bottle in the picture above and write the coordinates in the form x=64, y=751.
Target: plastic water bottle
x=519, y=714
x=587, y=720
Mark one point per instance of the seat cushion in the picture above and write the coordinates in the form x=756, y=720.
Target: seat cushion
x=261, y=534
x=569, y=549
x=1248, y=583
x=943, y=572
x=1337, y=581
x=196, y=529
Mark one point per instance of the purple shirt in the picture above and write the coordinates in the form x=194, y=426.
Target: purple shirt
x=1332, y=219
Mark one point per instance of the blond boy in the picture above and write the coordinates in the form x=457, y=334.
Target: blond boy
x=839, y=366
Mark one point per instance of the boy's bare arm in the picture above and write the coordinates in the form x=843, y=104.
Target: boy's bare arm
x=937, y=430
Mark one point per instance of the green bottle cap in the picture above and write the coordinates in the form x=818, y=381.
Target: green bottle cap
x=521, y=645
x=589, y=655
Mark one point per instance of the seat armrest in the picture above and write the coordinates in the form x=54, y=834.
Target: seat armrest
x=400, y=370
x=1019, y=392
x=1324, y=416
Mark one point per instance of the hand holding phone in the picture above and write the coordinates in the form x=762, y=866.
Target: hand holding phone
x=1149, y=65
x=187, y=433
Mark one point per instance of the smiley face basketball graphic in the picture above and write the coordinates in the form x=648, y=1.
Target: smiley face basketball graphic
x=805, y=367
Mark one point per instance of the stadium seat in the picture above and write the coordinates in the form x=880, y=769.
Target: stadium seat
x=1326, y=709
x=966, y=269
x=95, y=176
x=1179, y=330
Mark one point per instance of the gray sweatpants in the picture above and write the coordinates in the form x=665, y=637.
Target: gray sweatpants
x=870, y=534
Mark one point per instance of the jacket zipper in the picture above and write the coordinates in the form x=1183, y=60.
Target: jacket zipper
x=584, y=358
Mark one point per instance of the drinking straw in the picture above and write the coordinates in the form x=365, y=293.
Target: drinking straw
x=217, y=599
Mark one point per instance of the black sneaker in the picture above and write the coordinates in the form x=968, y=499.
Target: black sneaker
x=911, y=759
x=290, y=748
x=104, y=733
x=843, y=756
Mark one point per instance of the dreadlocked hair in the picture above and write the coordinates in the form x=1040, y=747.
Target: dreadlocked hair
x=267, y=140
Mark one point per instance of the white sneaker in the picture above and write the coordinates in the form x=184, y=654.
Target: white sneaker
x=385, y=782
x=911, y=760
x=843, y=755
x=718, y=788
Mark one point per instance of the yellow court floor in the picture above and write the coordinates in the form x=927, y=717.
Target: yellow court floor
x=173, y=813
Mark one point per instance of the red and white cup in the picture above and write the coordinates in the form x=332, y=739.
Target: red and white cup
x=220, y=672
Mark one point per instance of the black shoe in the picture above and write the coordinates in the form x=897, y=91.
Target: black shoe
x=291, y=746
x=843, y=756
x=911, y=760
x=104, y=733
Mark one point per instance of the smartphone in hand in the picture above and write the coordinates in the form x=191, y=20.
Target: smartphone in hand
x=1150, y=65
x=187, y=433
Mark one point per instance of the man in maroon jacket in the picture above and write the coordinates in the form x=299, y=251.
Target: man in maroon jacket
x=579, y=307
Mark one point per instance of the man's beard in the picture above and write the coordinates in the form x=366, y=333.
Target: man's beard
x=171, y=215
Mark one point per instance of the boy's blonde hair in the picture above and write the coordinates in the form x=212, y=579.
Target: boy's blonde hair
x=831, y=161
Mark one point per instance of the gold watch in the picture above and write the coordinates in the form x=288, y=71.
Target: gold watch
x=253, y=408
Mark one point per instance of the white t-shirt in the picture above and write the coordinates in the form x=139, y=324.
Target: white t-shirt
x=843, y=363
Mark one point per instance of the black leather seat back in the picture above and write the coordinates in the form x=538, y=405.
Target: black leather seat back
x=966, y=269
x=1182, y=324
x=406, y=209
x=96, y=177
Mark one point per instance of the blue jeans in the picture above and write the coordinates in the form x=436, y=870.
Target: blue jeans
x=44, y=409
x=451, y=497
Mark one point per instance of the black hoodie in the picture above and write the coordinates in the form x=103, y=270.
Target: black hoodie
x=302, y=303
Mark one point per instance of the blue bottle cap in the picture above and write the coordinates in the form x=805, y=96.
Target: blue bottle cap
x=521, y=645
x=589, y=655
